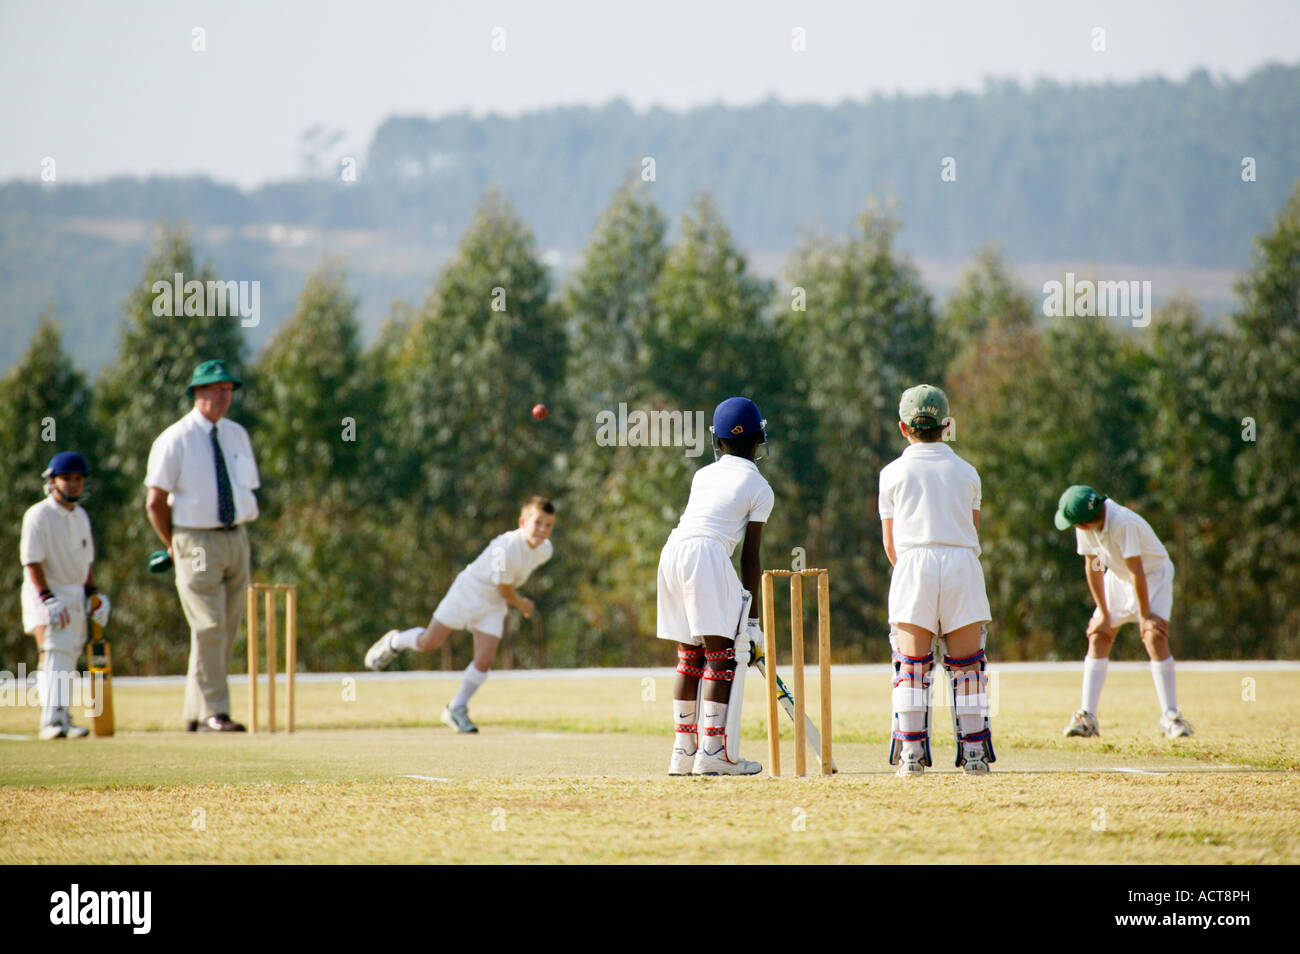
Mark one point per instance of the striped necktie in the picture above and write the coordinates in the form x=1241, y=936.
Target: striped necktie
x=225, y=496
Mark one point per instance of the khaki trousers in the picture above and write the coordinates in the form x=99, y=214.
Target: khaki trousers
x=212, y=575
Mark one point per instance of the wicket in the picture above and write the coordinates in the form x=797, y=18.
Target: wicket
x=799, y=715
x=290, y=647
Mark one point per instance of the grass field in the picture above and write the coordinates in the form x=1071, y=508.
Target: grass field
x=571, y=769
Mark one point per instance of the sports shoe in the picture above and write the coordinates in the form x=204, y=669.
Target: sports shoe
x=458, y=719
x=220, y=723
x=1083, y=724
x=75, y=731
x=682, y=762
x=910, y=765
x=54, y=730
x=975, y=767
x=382, y=652
x=719, y=764
x=1173, y=725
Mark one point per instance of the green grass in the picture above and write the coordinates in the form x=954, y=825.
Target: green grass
x=571, y=770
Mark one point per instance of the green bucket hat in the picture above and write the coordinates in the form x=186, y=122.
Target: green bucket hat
x=923, y=406
x=1079, y=504
x=211, y=372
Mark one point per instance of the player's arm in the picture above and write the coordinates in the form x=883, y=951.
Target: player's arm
x=517, y=600
x=975, y=516
x=58, y=612
x=36, y=575
x=887, y=535
x=160, y=515
x=751, y=564
x=1147, y=619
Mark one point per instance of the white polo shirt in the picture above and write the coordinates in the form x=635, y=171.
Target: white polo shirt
x=508, y=559
x=726, y=496
x=59, y=540
x=1124, y=534
x=181, y=462
x=929, y=493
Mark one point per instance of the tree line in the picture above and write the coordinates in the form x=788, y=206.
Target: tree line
x=385, y=469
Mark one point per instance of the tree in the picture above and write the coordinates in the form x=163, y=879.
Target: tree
x=44, y=409
x=869, y=332
x=136, y=397
x=1267, y=356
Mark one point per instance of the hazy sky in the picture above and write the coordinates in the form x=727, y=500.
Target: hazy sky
x=115, y=87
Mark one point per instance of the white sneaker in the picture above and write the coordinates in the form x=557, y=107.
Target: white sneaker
x=910, y=765
x=719, y=764
x=75, y=731
x=1083, y=724
x=52, y=731
x=458, y=719
x=975, y=767
x=1173, y=725
x=382, y=652
x=682, y=762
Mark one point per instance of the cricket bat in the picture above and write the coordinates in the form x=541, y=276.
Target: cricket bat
x=101, y=681
x=787, y=703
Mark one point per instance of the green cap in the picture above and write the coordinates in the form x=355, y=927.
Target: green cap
x=923, y=406
x=159, y=561
x=1079, y=504
x=211, y=372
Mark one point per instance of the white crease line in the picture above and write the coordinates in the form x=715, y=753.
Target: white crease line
x=17, y=738
x=427, y=778
x=1137, y=771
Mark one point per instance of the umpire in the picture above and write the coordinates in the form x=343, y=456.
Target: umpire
x=201, y=480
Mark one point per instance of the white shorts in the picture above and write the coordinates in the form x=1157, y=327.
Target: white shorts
x=699, y=592
x=940, y=589
x=1122, y=600
x=73, y=597
x=467, y=606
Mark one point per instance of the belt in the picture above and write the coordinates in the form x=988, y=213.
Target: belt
x=212, y=529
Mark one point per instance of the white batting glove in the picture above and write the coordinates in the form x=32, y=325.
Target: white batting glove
x=59, y=615
x=754, y=633
x=99, y=614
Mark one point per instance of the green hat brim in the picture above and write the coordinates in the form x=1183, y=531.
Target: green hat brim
x=1062, y=521
x=213, y=379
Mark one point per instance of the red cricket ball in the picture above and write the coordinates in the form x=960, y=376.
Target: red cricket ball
x=539, y=411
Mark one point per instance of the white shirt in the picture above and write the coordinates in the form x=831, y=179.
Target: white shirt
x=1124, y=534
x=59, y=540
x=929, y=493
x=181, y=462
x=726, y=496
x=508, y=559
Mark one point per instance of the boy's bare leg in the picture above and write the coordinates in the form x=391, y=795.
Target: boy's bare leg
x=434, y=635
x=686, y=694
x=1156, y=641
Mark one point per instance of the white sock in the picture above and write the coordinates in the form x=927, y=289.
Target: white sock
x=713, y=727
x=474, y=677
x=684, y=715
x=408, y=638
x=1162, y=673
x=1094, y=677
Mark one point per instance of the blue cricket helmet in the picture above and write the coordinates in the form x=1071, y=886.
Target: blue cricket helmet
x=67, y=462
x=736, y=417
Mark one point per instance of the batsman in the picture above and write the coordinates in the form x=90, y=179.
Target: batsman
x=57, y=551
x=702, y=604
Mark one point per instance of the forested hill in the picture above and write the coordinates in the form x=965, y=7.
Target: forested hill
x=1148, y=172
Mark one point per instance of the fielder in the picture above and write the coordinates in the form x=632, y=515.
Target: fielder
x=702, y=605
x=929, y=503
x=57, y=550
x=1131, y=579
x=478, y=601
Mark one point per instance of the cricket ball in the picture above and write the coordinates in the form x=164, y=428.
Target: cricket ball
x=540, y=412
